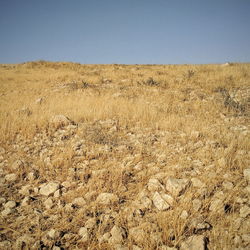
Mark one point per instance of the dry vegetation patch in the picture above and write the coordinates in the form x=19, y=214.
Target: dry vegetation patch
x=124, y=156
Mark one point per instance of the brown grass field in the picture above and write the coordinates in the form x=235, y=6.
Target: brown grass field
x=150, y=157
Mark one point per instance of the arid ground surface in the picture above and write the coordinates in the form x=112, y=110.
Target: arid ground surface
x=124, y=156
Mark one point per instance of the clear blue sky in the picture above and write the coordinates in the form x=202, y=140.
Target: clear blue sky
x=125, y=31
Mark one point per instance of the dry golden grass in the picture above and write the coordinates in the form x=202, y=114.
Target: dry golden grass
x=165, y=117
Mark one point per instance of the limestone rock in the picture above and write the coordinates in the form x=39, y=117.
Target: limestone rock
x=17, y=165
x=146, y=202
x=176, y=186
x=106, y=198
x=184, y=215
x=6, y=212
x=216, y=205
x=83, y=232
x=159, y=202
x=194, y=242
x=52, y=233
x=5, y=245
x=49, y=188
x=25, y=190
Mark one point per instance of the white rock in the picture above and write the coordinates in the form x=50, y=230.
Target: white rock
x=176, y=186
x=25, y=201
x=106, y=198
x=216, y=205
x=79, y=201
x=48, y=203
x=49, y=188
x=39, y=100
x=57, y=193
x=56, y=248
x=159, y=202
x=11, y=177
x=246, y=173
x=195, y=242
x=6, y=212
x=31, y=176
x=154, y=185
x=83, y=232
x=10, y=204
x=117, y=235
x=244, y=211
x=222, y=162
x=196, y=204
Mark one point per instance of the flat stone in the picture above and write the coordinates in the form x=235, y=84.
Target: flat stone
x=137, y=234
x=197, y=183
x=146, y=202
x=216, y=205
x=195, y=242
x=176, y=186
x=184, y=215
x=49, y=188
x=58, y=121
x=48, y=203
x=159, y=202
x=53, y=233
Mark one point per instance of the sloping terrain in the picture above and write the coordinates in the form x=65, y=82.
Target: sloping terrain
x=124, y=156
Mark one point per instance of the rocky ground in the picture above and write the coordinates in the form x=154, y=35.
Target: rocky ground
x=105, y=184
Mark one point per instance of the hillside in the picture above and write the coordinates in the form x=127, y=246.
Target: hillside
x=124, y=156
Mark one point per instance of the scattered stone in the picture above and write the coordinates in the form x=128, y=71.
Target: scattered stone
x=246, y=237
x=57, y=193
x=2, y=200
x=24, y=242
x=134, y=247
x=11, y=177
x=25, y=201
x=176, y=186
x=246, y=173
x=106, y=198
x=194, y=242
x=222, y=162
x=10, y=204
x=25, y=190
x=168, y=198
x=83, y=232
x=159, y=202
x=244, y=211
x=39, y=100
x=49, y=188
x=2, y=150
x=90, y=223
